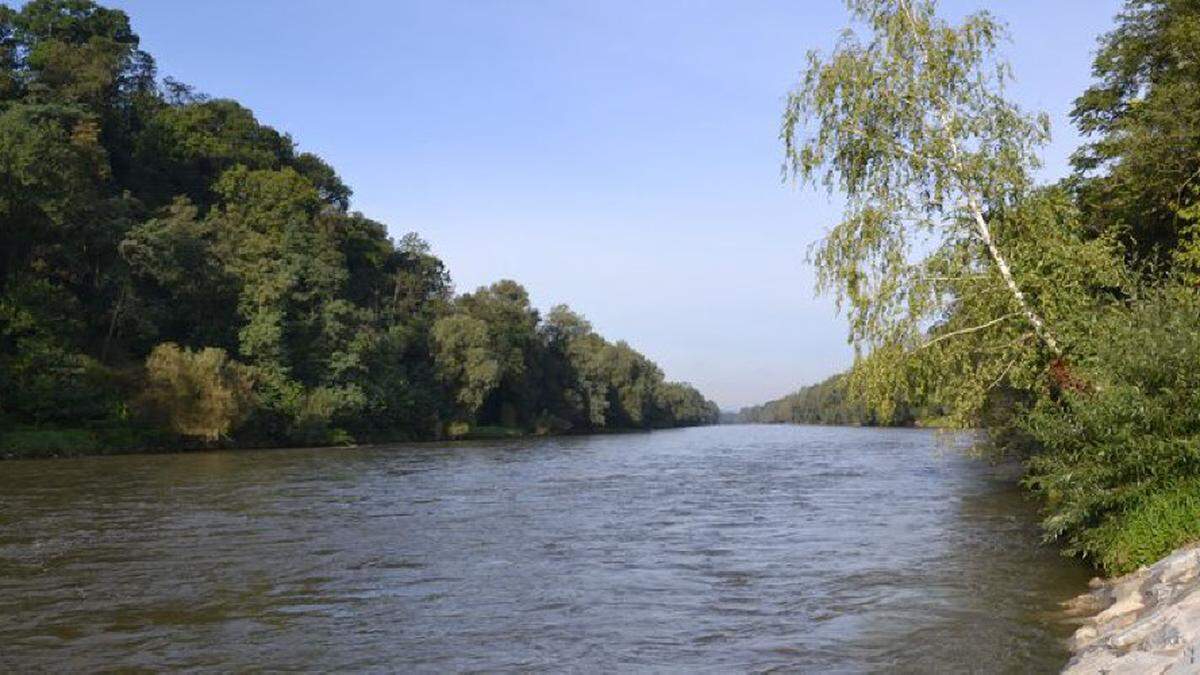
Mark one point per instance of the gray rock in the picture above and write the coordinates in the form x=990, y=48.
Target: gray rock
x=1144, y=622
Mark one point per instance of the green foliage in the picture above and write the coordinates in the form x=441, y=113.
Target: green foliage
x=77, y=52
x=47, y=443
x=184, y=149
x=511, y=365
x=1064, y=319
x=632, y=384
x=175, y=276
x=574, y=369
x=1136, y=179
x=466, y=360
x=490, y=433
x=1116, y=445
x=136, y=214
x=979, y=345
x=44, y=381
x=75, y=442
x=509, y=369
x=828, y=402
x=198, y=393
x=1109, y=449
x=679, y=404
x=1145, y=529
x=910, y=122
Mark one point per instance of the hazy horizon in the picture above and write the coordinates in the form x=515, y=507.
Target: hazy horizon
x=616, y=157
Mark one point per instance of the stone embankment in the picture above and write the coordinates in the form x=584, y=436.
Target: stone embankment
x=1144, y=622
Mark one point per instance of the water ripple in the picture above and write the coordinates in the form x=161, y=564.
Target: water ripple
x=754, y=549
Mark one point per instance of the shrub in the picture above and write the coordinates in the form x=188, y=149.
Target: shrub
x=1148, y=528
x=320, y=409
x=196, y=393
x=27, y=443
x=1117, y=458
x=548, y=423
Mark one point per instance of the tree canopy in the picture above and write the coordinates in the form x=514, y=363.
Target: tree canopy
x=1138, y=177
x=170, y=264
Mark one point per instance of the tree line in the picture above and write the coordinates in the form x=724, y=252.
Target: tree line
x=830, y=401
x=172, y=268
x=1064, y=318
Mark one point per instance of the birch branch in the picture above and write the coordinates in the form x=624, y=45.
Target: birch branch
x=972, y=329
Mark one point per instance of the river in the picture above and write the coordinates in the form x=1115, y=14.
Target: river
x=732, y=548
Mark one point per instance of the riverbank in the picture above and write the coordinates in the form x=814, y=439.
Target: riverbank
x=83, y=442
x=1147, y=621
x=80, y=442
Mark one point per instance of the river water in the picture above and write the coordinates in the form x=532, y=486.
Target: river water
x=715, y=549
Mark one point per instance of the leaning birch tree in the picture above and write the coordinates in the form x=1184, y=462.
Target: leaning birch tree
x=908, y=119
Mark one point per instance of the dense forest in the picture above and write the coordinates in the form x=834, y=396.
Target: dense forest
x=173, y=271
x=830, y=401
x=1063, y=318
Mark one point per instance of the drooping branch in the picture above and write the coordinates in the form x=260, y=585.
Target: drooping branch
x=947, y=118
x=965, y=331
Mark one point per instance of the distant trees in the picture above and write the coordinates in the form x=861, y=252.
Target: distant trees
x=575, y=369
x=509, y=325
x=678, y=404
x=167, y=251
x=466, y=361
x=511, y=368
x=827, y=402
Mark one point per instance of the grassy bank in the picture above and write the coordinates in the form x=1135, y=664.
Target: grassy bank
x=76, y=442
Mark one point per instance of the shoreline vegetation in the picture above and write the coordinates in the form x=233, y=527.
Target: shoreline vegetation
x=175, y=273
x=76, y=443
x=1063, y=318
x=831, y=402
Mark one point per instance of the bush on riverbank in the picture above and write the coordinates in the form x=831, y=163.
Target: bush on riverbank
x=47, y=442
x=1146, y=528
x=29, y=443
x=201, y=393
x=1118, y=460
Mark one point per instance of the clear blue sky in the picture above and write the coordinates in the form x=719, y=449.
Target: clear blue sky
x=619, y=156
